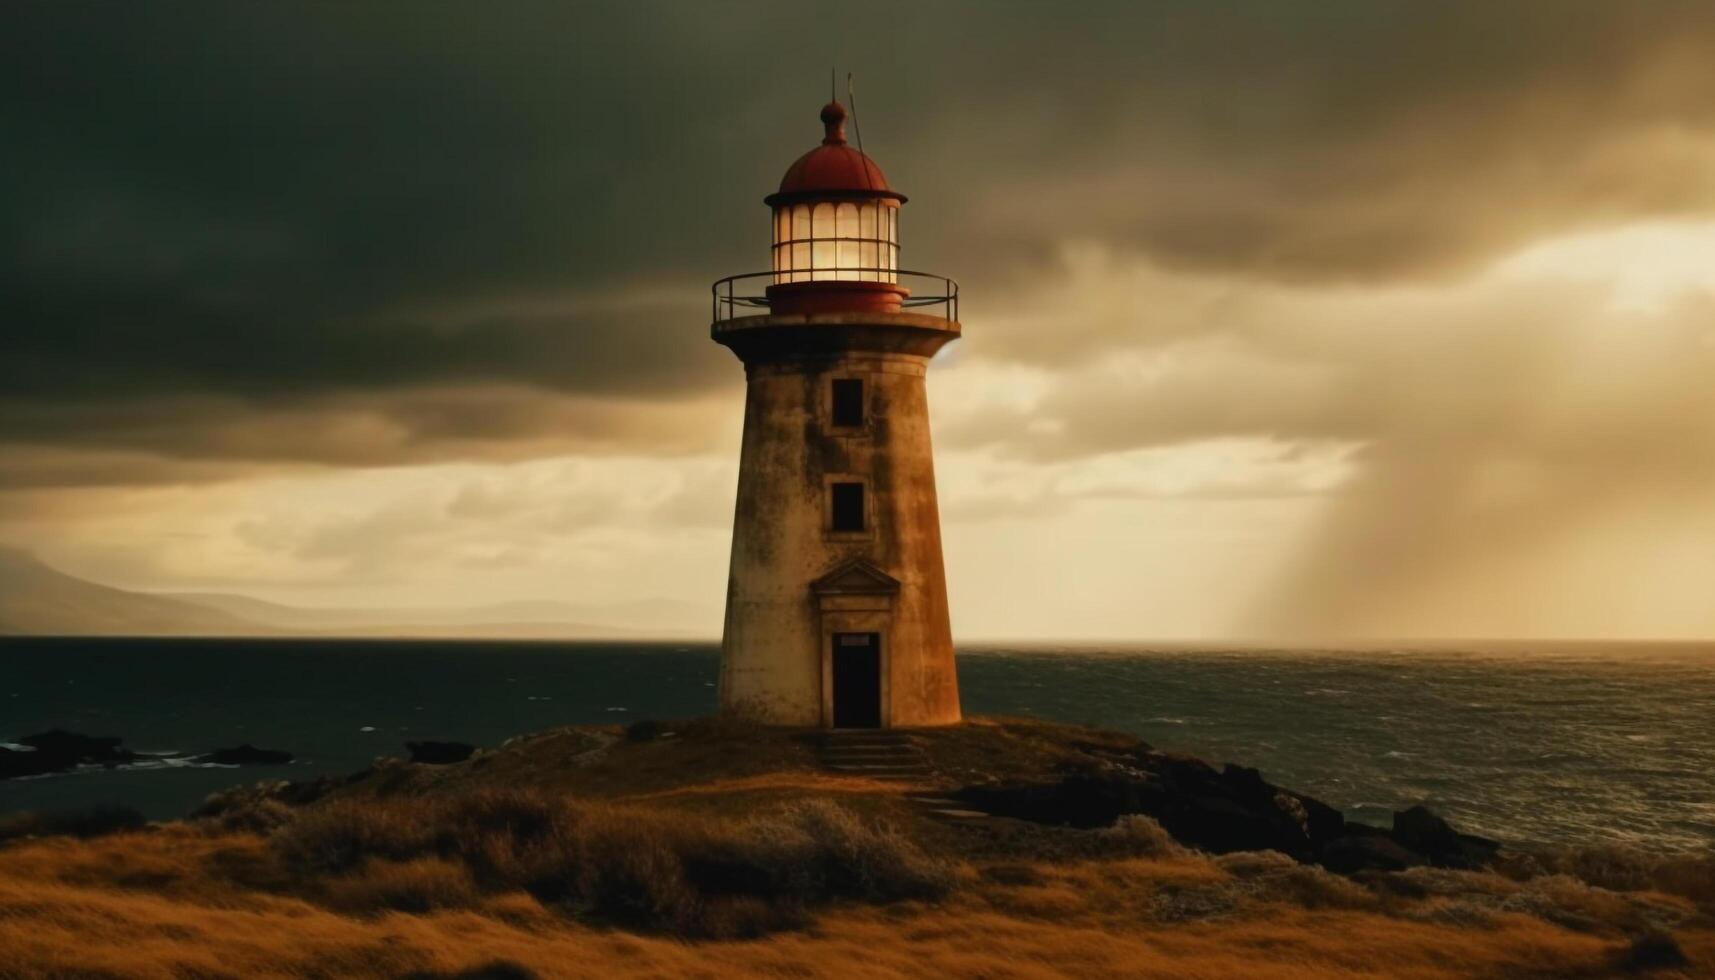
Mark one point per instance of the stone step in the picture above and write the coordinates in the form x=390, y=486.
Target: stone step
x=873, y=754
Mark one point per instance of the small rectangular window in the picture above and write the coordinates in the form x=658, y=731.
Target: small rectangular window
x=848, y=402
x=847, y=500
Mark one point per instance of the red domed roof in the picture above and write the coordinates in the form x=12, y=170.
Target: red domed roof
x=832, y=170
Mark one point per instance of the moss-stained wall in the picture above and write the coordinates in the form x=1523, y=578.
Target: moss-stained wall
x=774, y=650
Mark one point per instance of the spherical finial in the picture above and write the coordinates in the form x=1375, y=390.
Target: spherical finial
x=834, y=122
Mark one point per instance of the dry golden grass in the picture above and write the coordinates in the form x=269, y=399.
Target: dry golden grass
x=669, y=859
x=186, y=902
x=1085, y=922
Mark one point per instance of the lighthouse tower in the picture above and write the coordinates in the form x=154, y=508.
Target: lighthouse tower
x=836, y=611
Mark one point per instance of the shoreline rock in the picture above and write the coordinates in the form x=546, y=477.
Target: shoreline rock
x=1230, y=809
x=1217, y=809
x=59, y=751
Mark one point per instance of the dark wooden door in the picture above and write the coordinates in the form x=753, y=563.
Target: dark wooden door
x=857, y=680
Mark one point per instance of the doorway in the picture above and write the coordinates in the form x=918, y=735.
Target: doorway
x=857, y=680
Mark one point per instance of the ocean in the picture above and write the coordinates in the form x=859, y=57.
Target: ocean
x=1559, y=743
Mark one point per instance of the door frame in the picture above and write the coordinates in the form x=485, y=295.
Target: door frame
x=833, y=692
x=855, y=597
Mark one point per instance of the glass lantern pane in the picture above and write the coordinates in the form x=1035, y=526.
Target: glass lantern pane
x=869, y=259
x=782, y=224
x=847, y=221
x=800, y=261
x=821, y=258
x=800, y=221
x=847, y=258
x=866, y=219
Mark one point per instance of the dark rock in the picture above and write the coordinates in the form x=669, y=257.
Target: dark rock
x=60, y=751
x=1656, y=951
x=72, y=745
x=1082, y=801
x=1227, y=810
x=1323, y=823
x=274, y=790
x=1421, y=830
x=15, y=764
x=1367, y=850
x=1230, y=810
x=1222, y=825
x=645, y=730
x=1246, y=784
x=440, y=753
x=246, y=755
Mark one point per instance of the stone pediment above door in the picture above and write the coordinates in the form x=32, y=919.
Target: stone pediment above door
x=855, y=577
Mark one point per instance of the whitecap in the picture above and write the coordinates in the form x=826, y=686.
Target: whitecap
x=367, y=728
x=1167, y=721
x=174, y=762
x=15, y=747
x=619, y=709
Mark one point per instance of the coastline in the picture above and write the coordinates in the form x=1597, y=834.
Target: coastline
x=738, y=846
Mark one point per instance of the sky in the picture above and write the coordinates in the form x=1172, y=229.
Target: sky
x=1333, y=319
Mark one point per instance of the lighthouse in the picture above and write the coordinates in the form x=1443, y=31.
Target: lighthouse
x=836, y=608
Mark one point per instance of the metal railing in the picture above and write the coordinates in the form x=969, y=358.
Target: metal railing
x=729, y=299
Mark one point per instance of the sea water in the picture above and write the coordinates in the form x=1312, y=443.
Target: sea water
x=1565, y=743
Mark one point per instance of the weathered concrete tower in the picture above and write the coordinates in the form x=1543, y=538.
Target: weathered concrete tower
x=836, y=612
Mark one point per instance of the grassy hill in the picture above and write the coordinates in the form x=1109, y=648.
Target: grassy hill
x=706, y=848
x=37, y=599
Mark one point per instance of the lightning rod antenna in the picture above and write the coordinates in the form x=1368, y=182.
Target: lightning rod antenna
x=857, y=130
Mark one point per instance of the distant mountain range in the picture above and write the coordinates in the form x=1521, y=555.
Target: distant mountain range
x=36, y=599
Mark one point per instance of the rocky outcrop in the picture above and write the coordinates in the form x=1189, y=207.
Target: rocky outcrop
x=1366, y=848
x=1229, y=809
x=1427, y=834
x=60, y=751
x=274, y=791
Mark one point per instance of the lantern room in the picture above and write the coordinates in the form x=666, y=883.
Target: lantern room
x=836, y=230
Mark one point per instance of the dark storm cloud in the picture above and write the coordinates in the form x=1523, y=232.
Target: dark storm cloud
x=280, y=210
